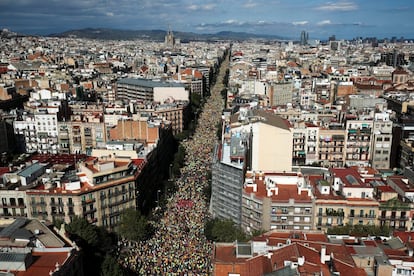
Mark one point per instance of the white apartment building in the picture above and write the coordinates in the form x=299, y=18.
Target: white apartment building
x=38, y=132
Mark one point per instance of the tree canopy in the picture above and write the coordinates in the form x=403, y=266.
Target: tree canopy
x=224, y=230
x=82, y=231
x=133, y=225
x=360, y=230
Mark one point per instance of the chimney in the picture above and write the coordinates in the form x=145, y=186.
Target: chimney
x=324, y=258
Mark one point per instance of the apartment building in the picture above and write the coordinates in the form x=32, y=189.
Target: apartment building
x=331, y=147
x=271, y=140
x=280, y=93
x=98, y=191
x=276, y=201
x=145, y=90
x=38, y=132
x=13, y=203
x=229, y=165
x=311, y=143
x=299, y=151
x=358, y=142
x=381, y=141
x=393, y=211
x=176, y=113
x=192, y=79
x=81, y=136
x=141, y=130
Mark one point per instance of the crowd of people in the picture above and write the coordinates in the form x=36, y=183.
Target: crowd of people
x=179, y=246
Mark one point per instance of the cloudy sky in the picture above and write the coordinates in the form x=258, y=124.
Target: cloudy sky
x=287, y=18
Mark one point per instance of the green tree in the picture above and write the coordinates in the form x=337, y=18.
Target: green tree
x=133, y=225
x=223, y=230
x=110, y=267
x=82, y=231
x=178, y=162
x=257, y=233
x=360, y=230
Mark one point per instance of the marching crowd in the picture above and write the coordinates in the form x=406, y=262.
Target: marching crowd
x=179, y=246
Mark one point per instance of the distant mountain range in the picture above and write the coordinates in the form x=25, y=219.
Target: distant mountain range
x=158, y=35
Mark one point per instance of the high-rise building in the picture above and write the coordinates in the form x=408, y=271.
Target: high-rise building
x=304, y=37
x=253, y=140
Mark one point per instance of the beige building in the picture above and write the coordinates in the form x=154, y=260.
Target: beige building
x=276, y=201
x=81, y=136
x=13, y=204
x=271, y=139
x=331, y=147
x=98, y=191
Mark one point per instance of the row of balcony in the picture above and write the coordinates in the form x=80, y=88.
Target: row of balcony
x=393, y=218
x=12, y=206
x=9, y=215
x=114, y=203
x=342, y=214
x=44, y=203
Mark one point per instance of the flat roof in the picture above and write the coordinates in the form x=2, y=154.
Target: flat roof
x=30, y=169
x=149, y=83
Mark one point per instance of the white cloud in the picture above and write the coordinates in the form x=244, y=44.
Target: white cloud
x=206, y=7
x=338, y=6
x=324, y=22
x=300, y=23
x=249, y=4
x=110, y=14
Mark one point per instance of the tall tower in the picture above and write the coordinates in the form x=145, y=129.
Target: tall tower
x=304, y=36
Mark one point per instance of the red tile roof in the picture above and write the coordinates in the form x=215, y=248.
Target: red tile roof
x=404, y=236
x=43, y=263
x=346, y=269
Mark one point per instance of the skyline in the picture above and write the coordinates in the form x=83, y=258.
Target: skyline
x=321, y=19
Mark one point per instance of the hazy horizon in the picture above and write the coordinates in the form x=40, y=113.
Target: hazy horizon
x=321, y=19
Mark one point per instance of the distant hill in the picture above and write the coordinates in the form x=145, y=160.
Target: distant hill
x=158, y=35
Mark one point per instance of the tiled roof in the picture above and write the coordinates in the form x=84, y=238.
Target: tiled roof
x=346, y=269
x=284, y=194
x=346, y=174
x=148, y=83
x=43, y=263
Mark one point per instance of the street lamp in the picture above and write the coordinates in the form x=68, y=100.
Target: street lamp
x=158, y=198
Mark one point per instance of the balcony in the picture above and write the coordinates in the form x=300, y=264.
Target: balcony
x=56, y=204
x=42, y=203
x=89, y=211
x=9, y=215
x=38, y=213
x=88, y=201
x=12, y=205
x=404, y=218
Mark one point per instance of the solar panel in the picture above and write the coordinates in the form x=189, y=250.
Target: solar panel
x=10, y=229
x=351, y=179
